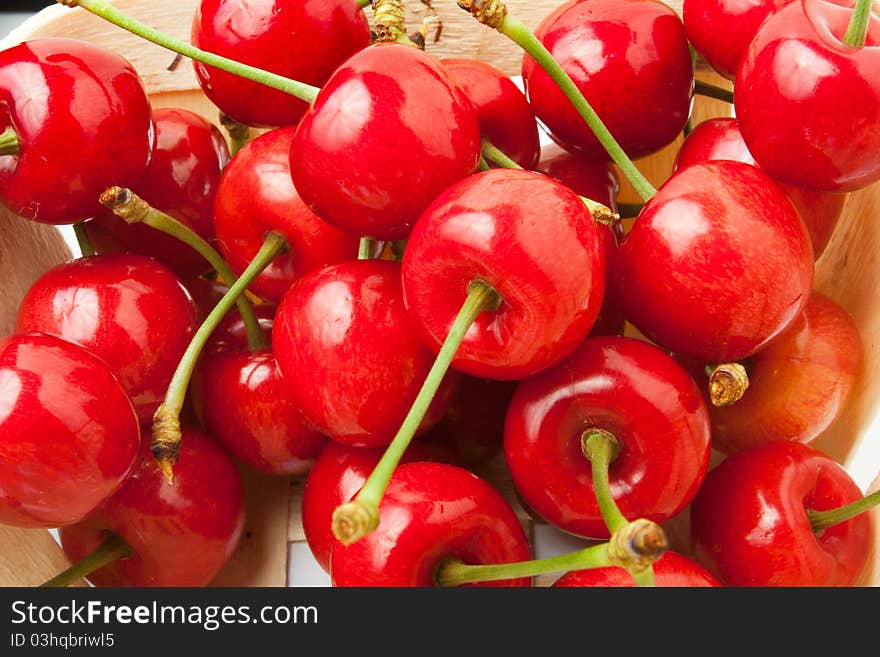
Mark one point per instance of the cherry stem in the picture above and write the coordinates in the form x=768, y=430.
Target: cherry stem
x=493, y=13
x=857, y=30
x=357, y=518
x=390, y=20
x=166, y=421
x=601, y=213
x=728, y=382
x=8, y=142
x=110, y=549
x=102, y=9
x=365, y=248
x=601, y=448
x=688, y=127
x=133, y=209
x=83, y=239
x=712, y=91
x=629, y=210
x=239, y=133
x=822, y=520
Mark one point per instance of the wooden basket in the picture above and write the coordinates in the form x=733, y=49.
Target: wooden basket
x=848, y=272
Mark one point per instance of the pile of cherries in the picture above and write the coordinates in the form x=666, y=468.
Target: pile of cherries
x=378, y=280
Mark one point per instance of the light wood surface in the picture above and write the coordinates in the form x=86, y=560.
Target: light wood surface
x=848, y=273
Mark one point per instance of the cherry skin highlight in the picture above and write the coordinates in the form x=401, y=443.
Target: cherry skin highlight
x=432, y=512
x=131, y=311
x=750, y=525
x=304, y=41
x=670, y=570
x=68, y=432
x=83, y=122
x=181, y=534
x=533, y=241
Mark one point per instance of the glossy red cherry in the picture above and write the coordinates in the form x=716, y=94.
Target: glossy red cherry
x=131, y=311
x=693, y=272
x=670, y=570
x=789, y=89
x=751, y=527
x=388, y=132
x=242, y=402
x=630, y=60
x=720, y=139
x=83, y=123
x=337, y=474
x=304, y=41
x=68, y=433
x=181, y=181
x=505, y=116
x=631, y=390
x=432, y=512
x=533, y=241
x=721, y=30
x=256, y=195
x=350, y=354
x=180, y=535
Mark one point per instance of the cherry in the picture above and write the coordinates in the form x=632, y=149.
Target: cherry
x=720, y=139
x=754, y=522
x=77, y=120
x=181, y=180
x=432, y=512
x=131, y=311
x=505, y=116
x=630, y=59
x=788, y=97
x=337, y=474
x=350, y=355
x=303, y=41
x=256, y=195
x=180, y=535
x=68, y=432
x=670, y=570
x=388, y=132
x=642, y=401
x=533, y=241
x=693, y=272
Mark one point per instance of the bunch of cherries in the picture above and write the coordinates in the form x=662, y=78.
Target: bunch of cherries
x=381, y=251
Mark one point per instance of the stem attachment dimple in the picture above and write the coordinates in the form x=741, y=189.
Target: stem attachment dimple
x=9, y=144
x=110, y=549
x=728, y=382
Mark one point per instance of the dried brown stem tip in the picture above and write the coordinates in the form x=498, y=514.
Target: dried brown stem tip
x=637, y=545
x=125, y=203
x=352, y=521
x=165, y=444
x=390, y=19
x=490, y=13
x=69, y=3
x=728, y=382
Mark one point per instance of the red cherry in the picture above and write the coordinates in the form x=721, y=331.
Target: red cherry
x=131, y=311
x=721, y=30
x=388, y=132
x=304, y=41
x=505, y=116
x=256, y=195
x=630, y=60
x=337, y=474
x=789, y=92
x=693, y=272
x=181, y=181
x=533, y=241
x=631, y=390
x=68, y=433
x=180, y=535
x=670, y=570
x=83, y=123
x=432, y=512
x=350, y=354
x=720, y=139
x=750, y=523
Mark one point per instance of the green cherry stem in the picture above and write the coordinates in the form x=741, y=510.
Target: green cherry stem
x=166, y=421
x=357, y=518
x=83, y=240
x=493, y=13
x=365, y=248
x=102, y=9
x=8, y=142
x=133, y=209
x=601, y=448
x=712, y=91
x=857, y=30
x=822, y=520
x=110, y=549
x=364, y=3
x=239, y=133
x=496, y=156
